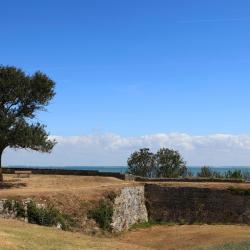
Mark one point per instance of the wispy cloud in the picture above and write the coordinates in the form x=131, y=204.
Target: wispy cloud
x=113, y=149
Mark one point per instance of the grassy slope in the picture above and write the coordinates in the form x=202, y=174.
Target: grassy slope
x=16, y=235
x=188, y=236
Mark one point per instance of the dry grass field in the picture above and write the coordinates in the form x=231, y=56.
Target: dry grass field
x=88, y=187
x=18, y=235
x=15, y=235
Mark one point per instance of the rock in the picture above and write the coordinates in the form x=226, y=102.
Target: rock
x=129, y=208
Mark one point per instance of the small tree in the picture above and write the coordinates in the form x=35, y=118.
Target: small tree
x=21, y=96
x=141, y=163
x=234, y=174
x=207, y=172
x=170, y=164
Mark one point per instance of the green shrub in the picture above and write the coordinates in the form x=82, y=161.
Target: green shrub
x=102, y=214
x=16, y=207
x=48, y=216
x=8, y=205
x=234, y=174
x=19, y=209
x=239, y=191
x=207, y=172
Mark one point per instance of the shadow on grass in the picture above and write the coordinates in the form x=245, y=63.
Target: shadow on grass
x=11, y=184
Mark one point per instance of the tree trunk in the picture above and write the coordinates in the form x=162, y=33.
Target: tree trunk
x=1, y=170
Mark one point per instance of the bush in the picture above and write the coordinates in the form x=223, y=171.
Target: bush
x=207, y=172
x=102, y=214
x=234, y=174
x=16, y=207
x=19, y=209
x=48, y=216
x=8, y=205
x=239, y=191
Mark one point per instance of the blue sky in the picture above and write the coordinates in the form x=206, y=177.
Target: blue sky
x=135, y=68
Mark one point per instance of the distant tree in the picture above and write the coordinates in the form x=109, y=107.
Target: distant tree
x=170, y=164
x=21, y=96
x=207, y=172
x=234, y=174
x=141, y=163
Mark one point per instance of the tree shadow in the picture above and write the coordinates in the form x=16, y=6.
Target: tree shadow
x=12, y=184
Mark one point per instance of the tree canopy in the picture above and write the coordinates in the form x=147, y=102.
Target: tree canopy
x=165, y=163
x=170, y=163
x=21, y=96
x=141, y=163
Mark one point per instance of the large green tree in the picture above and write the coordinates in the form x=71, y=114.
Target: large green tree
x=170, y=163
x=141, y=163
x=21, y=96
x=165, y=163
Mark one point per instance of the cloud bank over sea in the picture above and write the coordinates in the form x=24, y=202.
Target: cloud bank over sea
x=113, y=149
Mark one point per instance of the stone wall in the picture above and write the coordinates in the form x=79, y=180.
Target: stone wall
x=129, y=208
x=192, y=205
x=136, y=204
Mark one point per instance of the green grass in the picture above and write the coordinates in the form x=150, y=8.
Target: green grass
x=17, y=235
x=243, y=245
x=239, y=191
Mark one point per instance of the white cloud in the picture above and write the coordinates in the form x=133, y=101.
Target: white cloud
x=114, y=149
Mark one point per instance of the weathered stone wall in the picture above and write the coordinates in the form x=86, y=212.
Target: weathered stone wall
x=129, y=208
x=190, y=205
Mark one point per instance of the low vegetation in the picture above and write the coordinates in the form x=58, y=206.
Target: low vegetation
x=45, y=216
x=236, y=174
x=17, y=235
x=103, y=213
x=244, y=245
x=239, y=191
x=48, y=217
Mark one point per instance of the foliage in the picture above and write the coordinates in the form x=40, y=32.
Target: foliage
x=169, y=163
x=15, y=206
x=48, y=216
x=142, y=163
x=102, y=214
x=8, y=205
x=19, y=209
x=234, y=174
x=21, y=96
x=165, y=163
x=207, y=172
x=246, y=175
x=239, y=191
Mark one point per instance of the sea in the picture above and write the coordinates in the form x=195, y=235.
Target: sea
x=123, y=169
